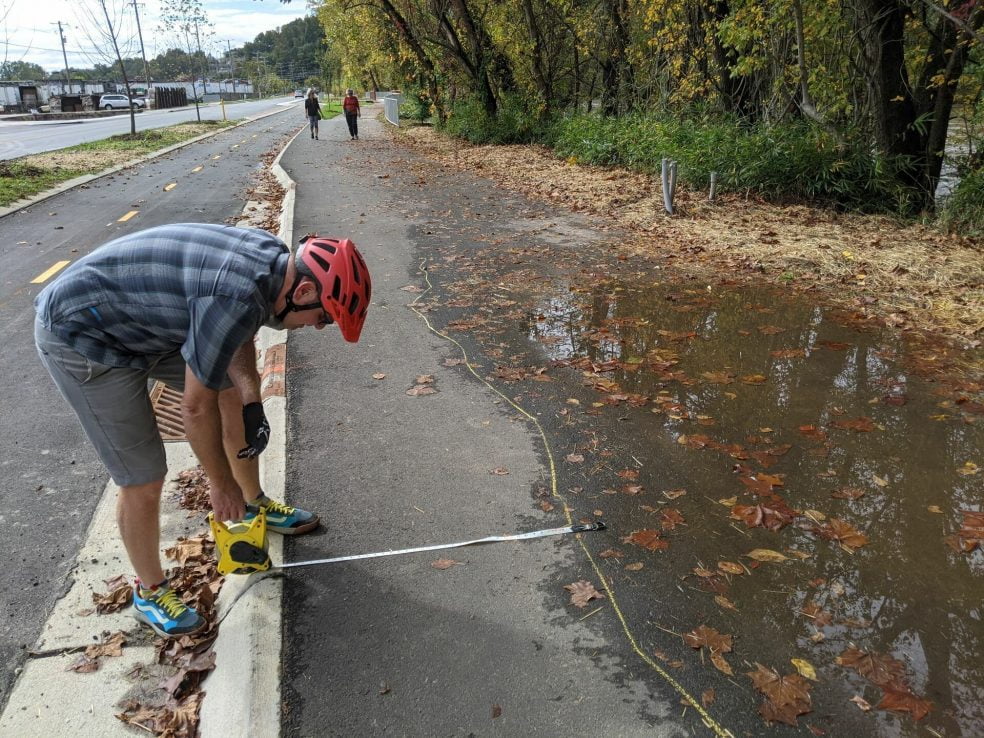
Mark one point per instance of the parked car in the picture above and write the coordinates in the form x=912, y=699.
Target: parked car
x=112, y=101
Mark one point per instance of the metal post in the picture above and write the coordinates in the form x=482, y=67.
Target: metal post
x=142, y=54
x=667, y=196
x=714, y=185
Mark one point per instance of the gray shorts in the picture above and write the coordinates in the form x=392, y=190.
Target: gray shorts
x=113, y=405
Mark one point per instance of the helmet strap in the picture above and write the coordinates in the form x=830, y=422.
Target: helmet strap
x=291, y=306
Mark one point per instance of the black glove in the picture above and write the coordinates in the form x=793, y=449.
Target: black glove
x=257, y=431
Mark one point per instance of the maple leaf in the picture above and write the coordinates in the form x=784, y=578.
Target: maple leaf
x=188, y=549
x=113, y=601
x=971, y=533
x=705, y=637
x=648, y=539
x=772, y=516
x=111, y=646
x=883, y=671
x=904, y=701
x=844, y=533
x=670, y=518
x=861, y=425
x=443, y=564
x=582, y=592
x=718, y=377
x=786, y=696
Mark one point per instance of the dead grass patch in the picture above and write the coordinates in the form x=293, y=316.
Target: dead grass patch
x=911, y=276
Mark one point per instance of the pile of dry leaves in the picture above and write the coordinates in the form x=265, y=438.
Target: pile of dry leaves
x=172, y=708
x=910, y=276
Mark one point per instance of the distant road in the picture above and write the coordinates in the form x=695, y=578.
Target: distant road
x=19, y=138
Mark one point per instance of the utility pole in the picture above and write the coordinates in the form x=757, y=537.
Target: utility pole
x=232, y=64
x=198, y=40
x=61, y=35
x=142, y=54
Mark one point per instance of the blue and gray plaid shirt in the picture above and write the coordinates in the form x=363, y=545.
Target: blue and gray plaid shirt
x=199, y=288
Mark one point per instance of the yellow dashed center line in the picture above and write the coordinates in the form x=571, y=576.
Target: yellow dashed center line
x=217, y=156
x=45, y=276
x=127, y=217
x=234, y=146
x=170, y=186
x=199, y=168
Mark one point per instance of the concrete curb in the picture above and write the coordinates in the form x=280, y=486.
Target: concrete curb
x=86, y=178
x=242, y=694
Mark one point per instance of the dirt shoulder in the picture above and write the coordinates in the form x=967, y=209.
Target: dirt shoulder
x=908, y=276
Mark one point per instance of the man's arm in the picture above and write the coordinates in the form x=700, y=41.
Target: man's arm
x=244, y=374
x=203, y=427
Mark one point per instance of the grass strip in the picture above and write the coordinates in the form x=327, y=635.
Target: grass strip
x=21, y=178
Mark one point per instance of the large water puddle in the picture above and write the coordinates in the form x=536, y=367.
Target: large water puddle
x=775, y=473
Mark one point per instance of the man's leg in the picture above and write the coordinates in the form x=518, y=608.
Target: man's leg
x=138, y=518
x=281, y=518
x=246, y=471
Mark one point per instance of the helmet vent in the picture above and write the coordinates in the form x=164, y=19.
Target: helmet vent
x=353, y=304
x=336, y=289
x=322, y=262
x=329, y=248
x=355, y=272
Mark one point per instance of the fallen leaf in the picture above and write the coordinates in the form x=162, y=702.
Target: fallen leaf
x=848, y=493
x=379, y=375
x=883, y=671
x=496, y=711
x=730, y=567
x=648, y=539
x=805, y=669
x=582, y=592
x=786, y=696
x=707, y=697
x=934, y=509
x=879, y=480
x=412, y=288
x=844, y=533
x=718, y=377
x=611, y=553
x=753, y=379
x=424, y=379
x=904, y=701
x=84, y=665
x=443, y=564
x=670, y=518
x=766, y=554
x=968, y=469
x=861, y=425
x=703, y=636
x=724, y=602
x=673, y=494
x=110, y=646
x=499, y=471
x=421, y=389
x=861, y=702
x=628, y=474
x=728, y=501
x=635, y=566
x=575, y=458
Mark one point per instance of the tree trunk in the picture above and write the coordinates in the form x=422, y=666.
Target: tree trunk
x=411, y=40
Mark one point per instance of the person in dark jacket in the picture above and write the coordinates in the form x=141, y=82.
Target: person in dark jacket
x=352, y=113
x=312, y=109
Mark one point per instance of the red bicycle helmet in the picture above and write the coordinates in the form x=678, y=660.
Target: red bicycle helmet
x=344, y=285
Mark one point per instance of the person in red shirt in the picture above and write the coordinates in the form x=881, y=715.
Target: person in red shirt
x=352, y=113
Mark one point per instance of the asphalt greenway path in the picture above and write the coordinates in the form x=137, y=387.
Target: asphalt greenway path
x=396, y=646
x=50, y=482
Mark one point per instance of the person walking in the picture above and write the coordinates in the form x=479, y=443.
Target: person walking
x=312, y=108
x=352, y=113
x=181, y=304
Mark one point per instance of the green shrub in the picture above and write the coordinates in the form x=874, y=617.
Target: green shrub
x=963, y=209
x=514, y=123
x=795, y=161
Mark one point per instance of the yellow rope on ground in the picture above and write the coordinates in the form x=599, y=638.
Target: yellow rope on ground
x=704, y=715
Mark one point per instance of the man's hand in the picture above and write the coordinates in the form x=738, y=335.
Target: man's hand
x=227, y=503
x=257, y=431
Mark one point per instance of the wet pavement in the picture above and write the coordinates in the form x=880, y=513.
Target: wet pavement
x=705, y=420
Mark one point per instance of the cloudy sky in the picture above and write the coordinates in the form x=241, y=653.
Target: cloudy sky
x=28, y=32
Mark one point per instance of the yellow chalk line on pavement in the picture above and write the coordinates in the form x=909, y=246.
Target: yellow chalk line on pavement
x=49, y=273
x=170, y=186
x=705, y=716
x=127, y=217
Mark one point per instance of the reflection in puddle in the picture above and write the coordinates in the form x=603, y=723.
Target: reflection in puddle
x=707, y=391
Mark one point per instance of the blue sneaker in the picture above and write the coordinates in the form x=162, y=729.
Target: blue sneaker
x=162, y=609
x=281, y=518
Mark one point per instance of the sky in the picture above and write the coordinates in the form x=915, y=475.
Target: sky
x=28, y=31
